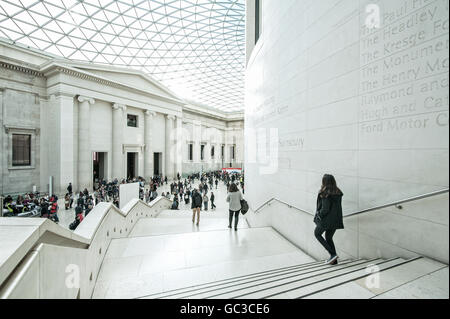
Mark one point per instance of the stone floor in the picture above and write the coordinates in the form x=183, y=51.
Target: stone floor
x=170, y=252
x=140, y=266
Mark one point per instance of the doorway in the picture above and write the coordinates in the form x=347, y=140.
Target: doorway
x=99, y=166
x=157, y=164
x=132, y=164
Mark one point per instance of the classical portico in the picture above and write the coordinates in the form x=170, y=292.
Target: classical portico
x=98, y=118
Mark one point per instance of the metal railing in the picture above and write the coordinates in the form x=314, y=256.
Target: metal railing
x=396, y=204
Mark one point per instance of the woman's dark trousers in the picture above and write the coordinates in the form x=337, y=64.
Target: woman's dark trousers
x=236, y=218
x=327, y=243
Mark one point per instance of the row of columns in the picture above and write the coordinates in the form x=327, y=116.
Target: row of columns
x=172, y=156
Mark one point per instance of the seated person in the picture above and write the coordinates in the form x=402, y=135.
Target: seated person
x=76, y=222
x=175, y=203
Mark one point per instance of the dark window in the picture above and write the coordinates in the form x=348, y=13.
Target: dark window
x=223, y=151
x=258, y=19
x=233, y=154
x=132, y=120
x=213, y=150
x=202, y=152
x=191, y=152
x=21, y=150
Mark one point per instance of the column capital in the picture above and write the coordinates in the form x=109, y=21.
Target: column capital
x=117, y=106
x=82, y=99
x=150, y=113
x=171, y=117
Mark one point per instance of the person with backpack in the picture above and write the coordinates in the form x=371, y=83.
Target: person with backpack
x=234, y=198
x=328, y=216
x=196, y=205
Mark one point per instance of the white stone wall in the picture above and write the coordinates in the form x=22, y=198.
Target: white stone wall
x=205, y=130
x=20, y=113
x=368, y=106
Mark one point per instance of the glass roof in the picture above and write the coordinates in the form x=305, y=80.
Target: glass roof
x=194, y=47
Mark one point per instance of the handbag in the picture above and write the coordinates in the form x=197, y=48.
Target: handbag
x=244, y=207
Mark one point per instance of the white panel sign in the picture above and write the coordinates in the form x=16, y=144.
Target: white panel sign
x=127, y=192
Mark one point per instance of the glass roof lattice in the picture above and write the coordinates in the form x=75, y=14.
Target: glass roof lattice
x=194, y=47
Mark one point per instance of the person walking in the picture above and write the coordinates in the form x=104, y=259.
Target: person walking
x=234, y=198
x=205, y=202
x=196, y=205
x=213, y=206
x=328, y=216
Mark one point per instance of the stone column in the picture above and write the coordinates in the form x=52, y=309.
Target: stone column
x=84, y=145
x=68, y=155
x=179, y=146
x=117, y=141
x=227, y=151
x=148, y=156
x=170, y=148
x=207, y=139
x=197, y=140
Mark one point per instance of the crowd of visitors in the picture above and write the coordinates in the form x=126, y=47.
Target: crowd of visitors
x=328, y=216
x=181, y=190
x=31, y=205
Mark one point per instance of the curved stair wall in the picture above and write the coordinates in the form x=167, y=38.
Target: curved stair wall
x=47, y=261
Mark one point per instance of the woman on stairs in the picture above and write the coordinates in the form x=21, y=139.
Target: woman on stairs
x=328, y=216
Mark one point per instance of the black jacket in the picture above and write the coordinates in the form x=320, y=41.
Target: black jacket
x=329, y=210
x=197, y=200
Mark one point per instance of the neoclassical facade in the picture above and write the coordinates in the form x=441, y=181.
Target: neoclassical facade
x=69, y=122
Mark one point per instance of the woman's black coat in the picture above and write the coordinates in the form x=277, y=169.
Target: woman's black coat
x=329, y=210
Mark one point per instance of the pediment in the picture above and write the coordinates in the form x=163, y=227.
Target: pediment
x=130, y=78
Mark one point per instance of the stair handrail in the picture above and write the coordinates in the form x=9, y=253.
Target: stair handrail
x=364, y=211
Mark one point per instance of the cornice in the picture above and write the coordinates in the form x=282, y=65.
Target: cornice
x=21, y=69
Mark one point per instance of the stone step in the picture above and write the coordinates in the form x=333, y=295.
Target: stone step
x=194, y=288
x=251, y=285
x=240, y=280
x=258, y=291
x=431, y=286
x=306, y=289
x=387, y=280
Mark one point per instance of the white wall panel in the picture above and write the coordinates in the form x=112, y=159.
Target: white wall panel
x=369, y=106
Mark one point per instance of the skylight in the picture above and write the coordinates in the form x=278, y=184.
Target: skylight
x=194, y=47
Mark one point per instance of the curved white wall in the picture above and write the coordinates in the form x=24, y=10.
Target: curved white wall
x=368, y=106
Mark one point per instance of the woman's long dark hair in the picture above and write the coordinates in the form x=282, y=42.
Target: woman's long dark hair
x=233, y=188
x=329, y=186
